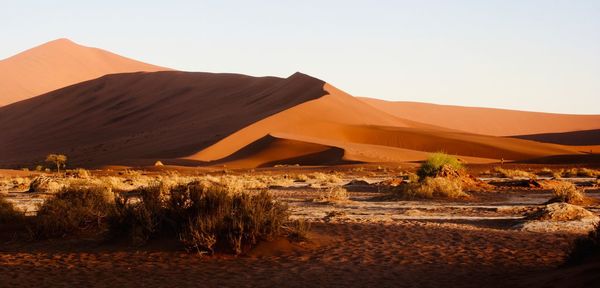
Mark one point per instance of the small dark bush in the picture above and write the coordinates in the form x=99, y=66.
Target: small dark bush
x=8, y=214
x=298, y=230
x=585, y=247
x=74, y=210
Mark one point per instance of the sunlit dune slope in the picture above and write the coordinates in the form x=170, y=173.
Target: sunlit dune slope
x=57, y=64
x=488, y=121
x=365, y=134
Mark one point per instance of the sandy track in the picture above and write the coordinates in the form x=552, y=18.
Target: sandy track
x=405, y=254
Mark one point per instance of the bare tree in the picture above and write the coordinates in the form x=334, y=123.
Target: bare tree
x=58, y=160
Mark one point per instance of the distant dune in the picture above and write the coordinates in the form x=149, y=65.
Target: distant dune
x=488, y=121
x=585, y=137
x=57, y=64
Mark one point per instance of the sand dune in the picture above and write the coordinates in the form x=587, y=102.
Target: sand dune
x=136, y=118
x=366, y=134
x=487, y=121
x=57, y=64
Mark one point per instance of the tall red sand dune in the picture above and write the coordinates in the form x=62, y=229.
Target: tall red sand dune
x=488, y=121
x=57, y=64
x=140, y=117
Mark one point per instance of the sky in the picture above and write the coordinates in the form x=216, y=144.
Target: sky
x=525, y=55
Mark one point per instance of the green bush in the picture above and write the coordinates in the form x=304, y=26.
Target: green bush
x=435, y=162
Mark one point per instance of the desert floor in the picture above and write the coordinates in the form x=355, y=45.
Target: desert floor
x=366, y=241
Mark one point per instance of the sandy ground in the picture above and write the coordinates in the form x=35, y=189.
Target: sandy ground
x=369, y=243
x=404, y=254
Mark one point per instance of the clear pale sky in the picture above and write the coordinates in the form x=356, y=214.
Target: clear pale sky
x=526, y=55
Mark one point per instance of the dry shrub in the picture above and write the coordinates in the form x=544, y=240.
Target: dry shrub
x=234, y=221
x=204, y=216
x=513, y=173
x=8, y=213
x=74, y=210
x=566, y=192
x=585, y=248
x=436, y=162
x=580, y=172
x=432, y=187
x=138, y=220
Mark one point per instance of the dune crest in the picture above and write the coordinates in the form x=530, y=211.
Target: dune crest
x=57, y=64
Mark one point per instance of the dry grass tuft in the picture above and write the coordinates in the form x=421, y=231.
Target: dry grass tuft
x=581, y=172
x=323, y=178
x=430, y=188
x=513, y=173
x=566, y=192
x=298, y=230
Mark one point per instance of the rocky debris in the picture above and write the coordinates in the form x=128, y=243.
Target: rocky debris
x=332, y=215
x=392, y=182
x=414, y=212
x=524, y=183
x=561, y=212
x=449, y=171
x=357, y=182
x=559, y=218
x=45, y=184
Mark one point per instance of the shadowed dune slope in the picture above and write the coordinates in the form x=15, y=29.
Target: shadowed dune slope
x=367, y=134
x=586, y=137
x=57, y=64
x=137, y=118
x=488, y=121
x=270, y=151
